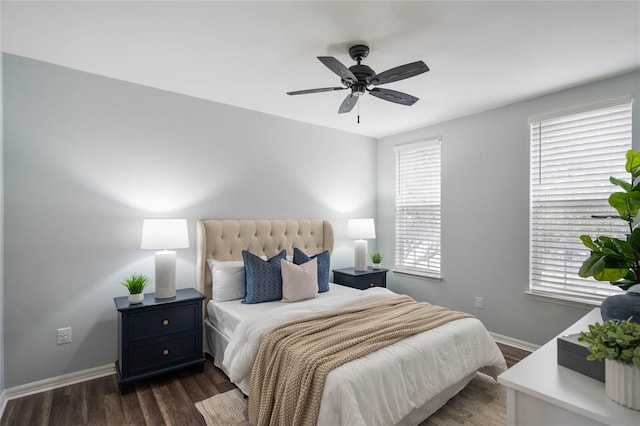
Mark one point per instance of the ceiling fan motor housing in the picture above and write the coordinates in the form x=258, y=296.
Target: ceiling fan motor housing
x=362, y=72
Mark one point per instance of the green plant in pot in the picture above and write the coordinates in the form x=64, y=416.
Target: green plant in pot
x=618, y=343
x=136, y=283
x=618, y=260
x=376, y=259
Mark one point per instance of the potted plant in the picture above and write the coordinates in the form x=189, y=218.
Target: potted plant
x=618, y=342
x=376, y=259
x=136, y=284
x=618, y=260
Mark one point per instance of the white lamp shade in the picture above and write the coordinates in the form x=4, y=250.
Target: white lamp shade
x=361, y=229
x=164, y=234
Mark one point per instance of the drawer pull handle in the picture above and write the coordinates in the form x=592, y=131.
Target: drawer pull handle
x=165, y=322
x=165, y=352
x=372, y=285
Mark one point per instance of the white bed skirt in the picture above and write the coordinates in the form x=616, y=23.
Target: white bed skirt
x=215, y=344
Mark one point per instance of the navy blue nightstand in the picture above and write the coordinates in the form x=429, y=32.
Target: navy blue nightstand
x=361, y=279
x=158, y=336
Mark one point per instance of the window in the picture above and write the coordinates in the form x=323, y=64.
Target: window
x=418, y=208
x=572, y=157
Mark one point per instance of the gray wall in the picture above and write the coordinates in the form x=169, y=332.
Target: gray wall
x=87, y=158
x=485, y=196
x=1, y=239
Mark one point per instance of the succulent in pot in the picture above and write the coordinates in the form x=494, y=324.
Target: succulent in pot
x=376, y=259
x=136, y=283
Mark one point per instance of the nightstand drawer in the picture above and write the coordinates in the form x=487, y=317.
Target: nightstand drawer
x=366, y=281
x=377, y=280
x=153, y=355
x=162, y=321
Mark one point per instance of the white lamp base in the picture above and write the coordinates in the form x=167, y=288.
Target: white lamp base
x=360, y=255
x=165, y=274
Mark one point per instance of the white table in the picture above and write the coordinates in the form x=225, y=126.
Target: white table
x=541, y=392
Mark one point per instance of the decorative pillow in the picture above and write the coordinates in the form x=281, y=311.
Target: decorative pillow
x=299, y=282
x=262, y=278
x=324, y=266
x=227, y=280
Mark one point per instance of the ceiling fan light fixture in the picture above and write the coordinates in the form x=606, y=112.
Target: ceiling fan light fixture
x=358, y=90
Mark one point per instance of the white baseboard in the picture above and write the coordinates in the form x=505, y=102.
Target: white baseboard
x=516, y=343
x=3, y=402
x=56, y=382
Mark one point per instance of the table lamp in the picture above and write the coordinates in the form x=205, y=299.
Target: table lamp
x=360, y=230
x=165, y=235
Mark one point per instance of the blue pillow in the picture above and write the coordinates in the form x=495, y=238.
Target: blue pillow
x=262, y=278
x=324, y=266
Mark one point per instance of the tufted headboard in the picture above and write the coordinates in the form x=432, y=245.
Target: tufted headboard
x=225, y=240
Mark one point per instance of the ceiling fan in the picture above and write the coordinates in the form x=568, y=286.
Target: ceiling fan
x=359, y=78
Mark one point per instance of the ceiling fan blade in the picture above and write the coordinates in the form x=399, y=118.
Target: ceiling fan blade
x=394, y=96
x=347, y=105
x=336, y=66
x=399, y=73
x=323, y=89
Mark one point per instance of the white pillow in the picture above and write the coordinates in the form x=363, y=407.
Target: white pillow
x=227, y=280
x=299, y=282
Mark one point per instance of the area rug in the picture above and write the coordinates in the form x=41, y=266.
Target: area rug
x=481, y=403
x=224, y=409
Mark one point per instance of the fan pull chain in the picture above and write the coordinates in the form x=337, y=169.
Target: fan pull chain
x=358, y=112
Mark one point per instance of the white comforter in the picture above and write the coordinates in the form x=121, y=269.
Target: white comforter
x=385, y=386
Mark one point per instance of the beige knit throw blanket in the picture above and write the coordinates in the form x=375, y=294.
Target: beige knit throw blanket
x=295, y=358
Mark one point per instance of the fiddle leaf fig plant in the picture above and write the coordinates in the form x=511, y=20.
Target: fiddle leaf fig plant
x=613, y=259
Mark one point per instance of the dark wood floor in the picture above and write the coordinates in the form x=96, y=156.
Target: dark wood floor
x=512, y=355
x=164, y=400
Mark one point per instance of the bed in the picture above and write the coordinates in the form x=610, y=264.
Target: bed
x=401, y=384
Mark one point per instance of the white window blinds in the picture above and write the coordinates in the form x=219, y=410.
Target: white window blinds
x=572, y=157
x=418, y=208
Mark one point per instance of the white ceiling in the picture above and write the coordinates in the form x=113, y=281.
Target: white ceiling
x=249, y=54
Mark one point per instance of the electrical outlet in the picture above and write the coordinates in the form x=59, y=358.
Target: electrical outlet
x=479, y=303
x=64, y=335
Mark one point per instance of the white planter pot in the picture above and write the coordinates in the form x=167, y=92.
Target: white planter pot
x=136, y=298
x=376, y=266
x=622, y=383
